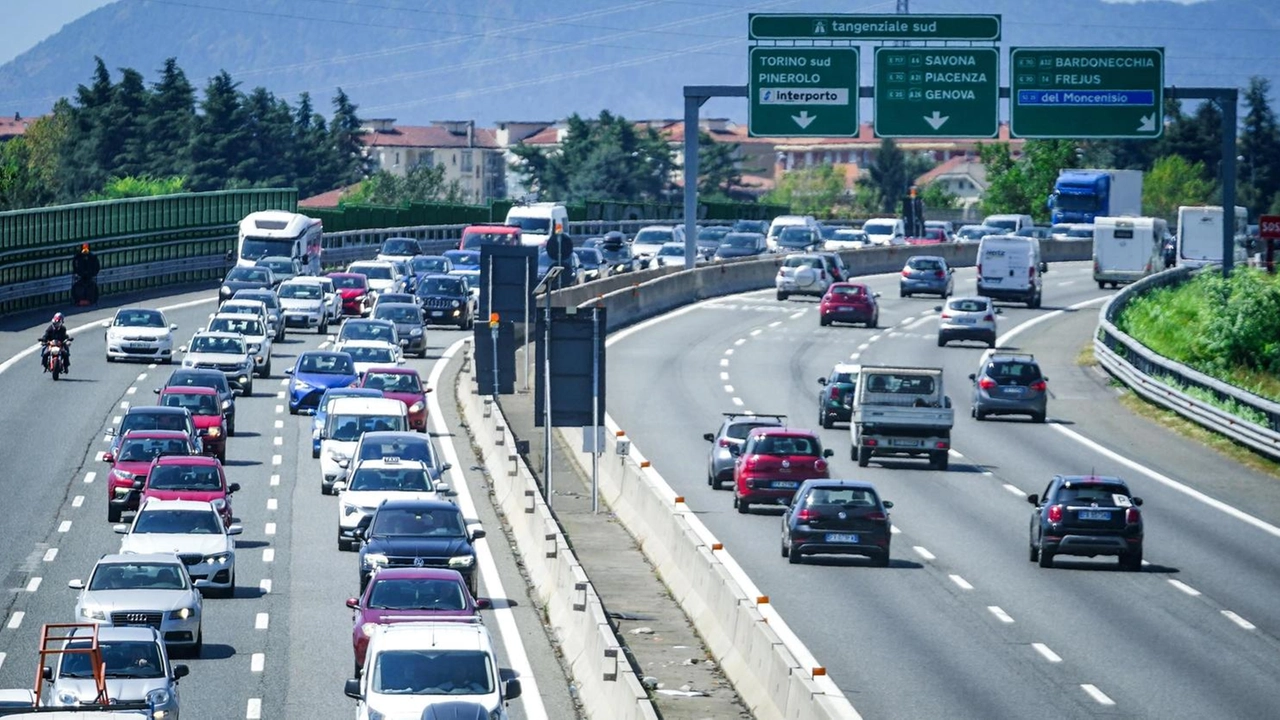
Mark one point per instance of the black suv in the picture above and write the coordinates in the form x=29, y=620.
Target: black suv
x=418, y=533
x=197, y=377
x=733, y=432
x=446, y=300
x=835, y=399
x=1086, y=515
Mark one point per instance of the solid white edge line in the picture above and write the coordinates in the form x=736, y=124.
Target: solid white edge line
x=2, y=657
x=1184, y=587
x=1000, y=614
x=1099, y=696
x=922, y=552
x=511, y=640
x=1046, y=653
x=1244, y=624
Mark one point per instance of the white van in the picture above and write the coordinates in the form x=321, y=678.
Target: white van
x=276, y=233
x=1010, y=268
x=444, y=662
x=1126, y=249
x=1009, y=223
x=348, y=419
x=885, y=231
x=1200, y=236
x=783, y=221
x=538, y=221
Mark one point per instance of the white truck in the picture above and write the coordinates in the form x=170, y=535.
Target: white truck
x=901, y=412
x=1200, y=235
x=1126, y=249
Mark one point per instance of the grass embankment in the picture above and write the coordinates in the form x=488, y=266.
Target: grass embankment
x=1227, y=329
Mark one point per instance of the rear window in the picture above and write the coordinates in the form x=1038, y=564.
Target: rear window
x=852, y=290
x=924, y=263
x=787, y=445
x=1091, y=494
x=740, y=431
x=968, y=305
x=1014, y=371
x=903, y=384
x=855, y=497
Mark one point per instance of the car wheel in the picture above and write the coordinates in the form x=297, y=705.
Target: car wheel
x=864, y=457
x=325, y=488
x=113, y=515
x=1037, y=418
x=979, y=415
x=991, y=342
x=199, y=646
x=1033, y=553
x=1102, y=285
x=942, y=340
x=110, y=359
x=231, y=426
x=741, y=505
x=1131, y=562
x=1046, y=558
x=783, y=544
x=795, y=557
x=824, y=420
x=941, y=460
x=222, y=457
x=323, y=327
x=293, y=410
x=343, y=545
x=874, y=321
x=823, y=321
x=903, y=293
x=881, y=560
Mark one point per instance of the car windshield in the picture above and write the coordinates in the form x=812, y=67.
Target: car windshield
x=843, y=378
x=848, y=290
x=148, y=450
x=417, y=594
x=929, y=264
x=590, y=257
x=974, y=232
x=211, y=379
x=463, y=258
x=796, y=261
x=350, y=282
x=786, y=445
x=969, y=305
x=434, y=522
x=531, y=224
x=754, y=226
x=878, y=228
x=240, y=325
x=266, y=297
x=349, y=427
x=740, y=240
x=418, y=449
x=442, y=286
x=138, y=576
x=423, y=265
x=399, y=246
x=393, y=382
x=1017, y=372
x=198, y=404
x=256, y=247
x=796, y=236
x=473, y=240
x=222, y=345
x=654, y=236
x=139, y=318
x=671, y=251
x=249, y=275
x=356, y=330
x=326, y=364
x=371, y=354
x=713, y=233
x=615, y=253
x=740, y=431
x=279, y=267
x=202, y=478
x=373, y=272
x=398, y=314
x=432, y=672
x=123, y=659
x=152, y=420
x=301, y=291
x=853, y=497
x=1094, y=494
x=393, y=298
x=379, y=479
x=178, y=522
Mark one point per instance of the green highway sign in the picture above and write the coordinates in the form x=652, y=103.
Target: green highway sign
x=1086, y=92
x=803, y=92
x=937, y=92
x=781, y=26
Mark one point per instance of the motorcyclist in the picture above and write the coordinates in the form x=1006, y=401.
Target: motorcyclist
x=56, y=332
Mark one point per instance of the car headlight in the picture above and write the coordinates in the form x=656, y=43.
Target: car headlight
x=301, y=384
x=416, y=407
x=226, y=290
x=121, y=492
x=122, y=474
x=368, y=629
x=374, y=714
x=226, y=404
x=464, y=561
x=66, y=697
x=214, y=432
x=375, y=560
x=159, y=696
x=415, y=332
x=218, y=558
x=218, y=504
x=92, y=613
x=456, y=303
x=182, y=613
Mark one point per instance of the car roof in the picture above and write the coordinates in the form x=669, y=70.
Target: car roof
x=114, y=558
x=365, y=405
x=399, y=435
x=424, y=573
x=995, y=353
x=383, y=463
x=838, y=482
x=979, y=298
x=343, y=274
x=188, y=390
x=229, y=316
x=370, y=263
x=362, y=321
x=250, y=293
x=395, y=370
x=157, y=504
x=436, y=635
x=322, y=353
x=156, y=434
x=219, y=334
x=926, y=257
x=847, y=368
x=189, y=460
x=405, y=503
x=1092, y=480
x=155, y=410
x=118, y=633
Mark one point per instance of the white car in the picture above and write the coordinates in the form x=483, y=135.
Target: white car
x=245, y=307
x=382, y=276
x=371, y=353
x=805, y=274
x=139, y=333
x=348, y=419
x=227, y=353
x=257, y=337
x=151, y=590
x=302, y=305
x=195, y=532
x=373, y=481
x=649, y=240
x=672, y=255
x=332, y=299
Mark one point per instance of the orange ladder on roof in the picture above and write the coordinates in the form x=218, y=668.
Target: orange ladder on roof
x=54, y=638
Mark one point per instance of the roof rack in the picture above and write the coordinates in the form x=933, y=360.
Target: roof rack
x=754, y=414
x=1012, y=353
x=54, y=642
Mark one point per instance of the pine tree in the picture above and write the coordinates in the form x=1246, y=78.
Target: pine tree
x=309, y=152
x=170, y=120
x=1197, y=138
x=84, y=166
x=122, y=132
x=349, y=163
x=219, y=140
x=1259, y=169
x=270, y=135
x=889, y=175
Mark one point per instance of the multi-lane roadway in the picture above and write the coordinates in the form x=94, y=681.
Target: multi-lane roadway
x=281, y=648
x=961, y=624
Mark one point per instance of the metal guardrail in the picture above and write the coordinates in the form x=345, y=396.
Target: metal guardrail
x=1158, y=378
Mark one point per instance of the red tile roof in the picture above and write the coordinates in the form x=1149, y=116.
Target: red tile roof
x=867, y=137
x=12, y=126
x=428, y=136
x=326, y=199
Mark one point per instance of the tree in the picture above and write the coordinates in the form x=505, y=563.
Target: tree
x=348, y=163
x=1198, y=138
x=219, y=139
x=170, y=117
x=935, y=195
x=1022, y=186
x=809, y=191
x=123, y=128
x=889, y=175
x=143, y=186
x=1171, y=182
x=718, y=172
x=87, y=153
x=422, y=183
x=1259, y=169
x=270, y=137
x=308, y=155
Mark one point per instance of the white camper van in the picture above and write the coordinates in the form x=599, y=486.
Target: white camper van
x=1200, y=235
x=538, y=221
x=277, y=233
x=1010, y=268
x=1126, y=249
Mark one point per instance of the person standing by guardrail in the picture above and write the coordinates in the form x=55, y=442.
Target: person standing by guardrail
x=85, y=266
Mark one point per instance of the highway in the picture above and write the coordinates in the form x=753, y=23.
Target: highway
x=962, y=625
x=281, y=648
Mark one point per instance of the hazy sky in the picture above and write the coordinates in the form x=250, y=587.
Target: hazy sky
x=27, y=22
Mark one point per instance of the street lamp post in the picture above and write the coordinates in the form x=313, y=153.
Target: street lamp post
x=545, y=285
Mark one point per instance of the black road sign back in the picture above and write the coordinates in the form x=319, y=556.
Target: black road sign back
x=515, y=274
x=571, y=367
x=483, y=338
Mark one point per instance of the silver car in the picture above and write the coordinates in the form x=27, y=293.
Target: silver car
x=192, y=530
x=143, y=590
x=302, y=303
x=1009, y=383
x=967, y=318
x=926, y=274
x=269, y=299
x=805, y=274
x=227, y=353
x=733, y=433
x=137, y=670
x=256, y=336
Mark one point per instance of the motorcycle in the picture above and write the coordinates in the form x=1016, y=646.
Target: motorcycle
x=55, y=358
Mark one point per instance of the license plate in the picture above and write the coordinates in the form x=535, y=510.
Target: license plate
x=437, y=313
x=1012, y=390
x=966, y=321
x=842, y=538
x=1095, y=515
x=904, y=443
x=138, y=345
x=786, y=484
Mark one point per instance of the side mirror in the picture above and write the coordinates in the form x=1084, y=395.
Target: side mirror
x=137, y=484
x=156, y=391
x=444, y=488
x=1137, y=501
x=477, y=533
x=352, y=688
x=111, y=431
x=182, y=349
x=173, y=326
x=483, y=603
x=875, y=294
x=821, y=381
x=512, y=691
x=76, y=584
x=353, y=603
x=108, y=457
x=235, y=530
x=973, y=376
x=180, y=671
x=106, y=323
x=358, y=532
x=233, y=488
x=1044, y=378
x=428, y=390
x=339, y=486
x=46, y=672
x=288, y=371
x=446, y=466
x=120, y=529
x=331, y=338
x=888, y=504
x=937, y=308
x=1034, y=499
x=1044, y=267
x=709, y=437
x=828, y=453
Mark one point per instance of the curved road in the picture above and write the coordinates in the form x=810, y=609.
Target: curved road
x=281, y=648
x=961, y=624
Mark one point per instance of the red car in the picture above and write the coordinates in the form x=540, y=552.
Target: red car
x=932, y=236
x=850, y=303
x=410, y=595
x=403, y=384
x=773, y=462
x=195, y=478
x=476, y=235
x=354, y=289
x=138, y=448
x=206, y=412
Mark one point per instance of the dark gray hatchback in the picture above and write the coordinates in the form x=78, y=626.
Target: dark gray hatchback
x=837, y=517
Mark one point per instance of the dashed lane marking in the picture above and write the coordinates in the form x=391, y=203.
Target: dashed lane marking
x=728, y=389
x=115, y=420
x=124, y=405
x=1046, y=653
x=279, y=409
x=89, y=476
x=265, y=586
x=775, y=323
x=277, y=441
x=728, y=351
x=1184, y=587
x=77, y=501
x=279, y=424
x=1245, y=624
x=2, y=657
x=50, y=554
x=1001, y=615
x=724, y=376
x=874, y=338
x=894, y=530
x=65, y=526
x=261, y=621
x=257, y=661
x=276, y=459
x=284, y=381
x=275, y=480
x=737, y=401
x=34, y=584
x=142, y=376
x=253, y=711
x=925, y=554
x=739, y=341
x=280, y=395
x=131, y=391
x=1098, y=696
x=855, y=356
x=15, y=620
x=863, y=346
x=797, y=315
x=961, y=582
x=724, y=362
x=755, y=332
x=268, y=554
x=272, y=504
x=270, y=529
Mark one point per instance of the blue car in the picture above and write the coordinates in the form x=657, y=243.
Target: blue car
x=465, y=263
x=315, y=372
x=321, y=415
x=421, y=266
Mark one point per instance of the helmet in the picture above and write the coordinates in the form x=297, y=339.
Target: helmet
x=57, y=319
x=84, y=247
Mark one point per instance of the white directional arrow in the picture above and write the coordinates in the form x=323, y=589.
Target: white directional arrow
x=804, y=118
x=936, y=120
x=1148, y=123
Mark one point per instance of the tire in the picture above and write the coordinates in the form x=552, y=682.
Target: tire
x=991, y=342
x=248, y=390
x=222, y=457
x=941, y=460
x=315, y=454
x=110, y=359
x=740, y=505
x=1046, y=559
x=942, y=340
x=323, y=327
x=823, y=322
x=785, y=552
x=903, y=294
x=266, y=370
x=1102, y=285
x=881, y=560
x=1038, y=418
x=827, y=423
x=56, y=372
x=864, y=457
x=1033, y=553
x=978, y=414
x=874, y=321
x=113, y=515
x=853, y=453
x=795, y=557
x=1131, y=562
x=231, y=426
x=326, y=489
x=782, y=295
x=293, y=410
x=343, y=545
x=199, y=646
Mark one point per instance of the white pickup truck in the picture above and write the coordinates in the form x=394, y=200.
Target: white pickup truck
x=901, y=412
